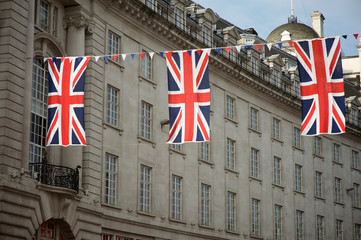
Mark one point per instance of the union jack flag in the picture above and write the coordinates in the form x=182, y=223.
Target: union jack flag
x=66, y=101
x=322, y=89
x=188, y=96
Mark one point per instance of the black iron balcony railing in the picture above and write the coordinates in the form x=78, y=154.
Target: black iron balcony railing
x=53, y=175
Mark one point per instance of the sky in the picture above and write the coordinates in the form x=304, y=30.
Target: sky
x=341, y=16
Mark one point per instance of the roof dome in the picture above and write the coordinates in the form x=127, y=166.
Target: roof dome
x=297, y=31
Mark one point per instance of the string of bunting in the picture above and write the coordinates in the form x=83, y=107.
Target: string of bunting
x=217, y=49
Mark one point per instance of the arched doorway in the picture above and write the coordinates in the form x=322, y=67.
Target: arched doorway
x=53, y=230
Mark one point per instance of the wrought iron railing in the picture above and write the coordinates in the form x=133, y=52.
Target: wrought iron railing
x=54, y=175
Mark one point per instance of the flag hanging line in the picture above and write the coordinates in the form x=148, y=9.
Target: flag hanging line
x=218, y=49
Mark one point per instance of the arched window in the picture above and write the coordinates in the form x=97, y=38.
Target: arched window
x=49, y=231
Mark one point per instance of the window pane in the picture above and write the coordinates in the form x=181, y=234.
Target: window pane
x=146, y=120
x=112, y=106
x=254, y=163
x=205, y=205
x=145, y=189
x=176, y=204
x=110, y=179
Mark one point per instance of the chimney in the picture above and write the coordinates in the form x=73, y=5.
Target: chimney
x=317, y=22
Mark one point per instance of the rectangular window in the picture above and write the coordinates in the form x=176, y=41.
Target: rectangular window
x=179, y=19
x=277, y=222
x=231, y=152
x=105, y=236
x=112, y=106
x=317, y=146
x=207, y=36
x=230, y=107
x=298, y=177
x=353, y=116
x=44, y=9
x=177, y=147
x=336, y=152
x=176, y=197
x=231, y=211
x=150, y=4
x=113, y=44
x=55, y=22
x=338, y=195
x=276, y=78
x=277, y=170
x=357, y=231
x=253, y=119
x=146, y=120
x=299, y=225
x=145, y=189
x=146, y=66
x=297, y=89
x=297, y=137
x=204, y=151
x=318, y=184
x=320, y=229
x=339, y=229
x=276, y=128
x=356, y=195
x=255, y=218
x=254, y=65
x=205, y=204
x=354, y=159
x=110, y=179
x=254, y=163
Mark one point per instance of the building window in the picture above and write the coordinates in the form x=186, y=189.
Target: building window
x=298, y=177
x=354, y=159
x=233, y=55
x=204, y=151
x=357, y=231
x=318, y=184
x=179, y=19
x=356, y=195
x=253, y=119
x=146, y=120
x=354, y=116
x=254, y=163
x=230, y=107
x=110, y=179
x=338, y=189
x=317, y=145
x=176, y=197
x=44, y=10
x=297, y=89
x=231, y=152
x=336, y=152
x=112, y=106
x=276, y=78
x=254, y=65
x=276, y=128
x=205, y=204
x=278, y=222
x=55, y=22
x=207, y=36
x=39, y=112
x=339, y=229
x=177, y=147
x=145, y=189
x=113, y=44
x=277, y=170
x=150, y=4
x=147, y=66
x=231, y=211
x=320, y=229
x=299, y=225
x=297, y=137
x=255, y=218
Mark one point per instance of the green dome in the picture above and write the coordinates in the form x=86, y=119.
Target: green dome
x=298, y=31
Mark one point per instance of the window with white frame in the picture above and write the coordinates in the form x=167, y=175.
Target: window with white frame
x=145, y=189
x=354, y=159
x=356, y=195
x=177, y=147
x=320, y=228
x=278, y=222
x=39, y=112
x=146, y=63
x=44, y=15
x=204, y=151
x=112, y=106
x=276, y=128
x=176, y=204
x=207, y=36
x=233, y=55
x=150, y=4
x=230, y=106
x=255, y=218
x=338, y=190
x=357, y=231
x=146, y=120
x=339, y=229
x=110, y=178
x=297, y=137
x=47, y=16
x=299, y=225
x=205, y=205
x=254, y=65
x=231, y=211
x=298, y=177
x=336, y=152
x=179, y=18
x=354, y=116
x=317, y=145
x=113, y=44
x=276, y=78
x=231, y=153
x=254, y=163
x=277, y=170
x=253, y=123
x=297, y=89
x=55, y=22
x=318, y=184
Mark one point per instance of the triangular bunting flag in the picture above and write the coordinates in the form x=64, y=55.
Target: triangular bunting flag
x=228, y=49
x=238, y=48
x=124, y=56
x=190, y=52
x=218, y=50
x=269, y=45
x=290, y=43
x=208, y=50
x=344, y=36
x=115, y=57
x=355, y=35
x=151, y=54
x=142, y=55
x=132, y=55
x=259, y=47
x=96, y=58
x=248, y=47
x=162, y=54
x=106, y=58
x=54, y=59
x=280, y=44
x=199, y=51
x=45, y=59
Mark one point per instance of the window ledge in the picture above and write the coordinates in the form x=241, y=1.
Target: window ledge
x=206, y=162
x=226, y=119
x=298, y=148
x=277, y=140
x=339, y=203
x=318, y=156
x=255, y=179
x=142, y=139
x=337, y=163
x=278, y=186
x=232, y=232
x=107, y=125
x=145, y=214
x=356, y=169
x=255, y=131
x=206, y=227
x=356, y=208
x=227, y=170
x=110, y=59
x=320, y=198
x=111, y=206
x=171, y=151
x=255, y=237
x=141, y=79
x=176, y=220
x=299, y=192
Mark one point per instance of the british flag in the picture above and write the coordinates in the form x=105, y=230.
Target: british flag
x=188, y=96
x=66, y=101
x=322, y=89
